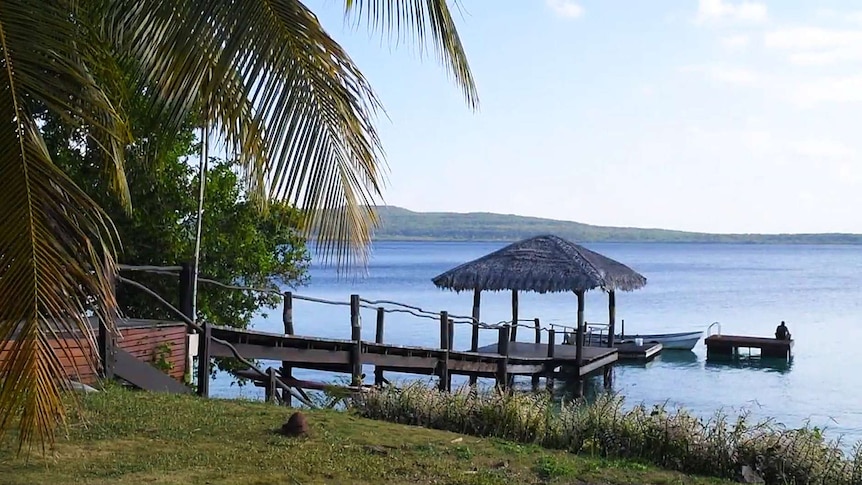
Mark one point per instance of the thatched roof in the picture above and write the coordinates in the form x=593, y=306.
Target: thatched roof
x=543, y=264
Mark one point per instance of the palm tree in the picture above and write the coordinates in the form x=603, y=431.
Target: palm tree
x=262, y=74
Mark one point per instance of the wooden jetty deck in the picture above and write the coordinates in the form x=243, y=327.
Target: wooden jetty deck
x=532, y=354
x=729, y=345
x=644, y=353
x=501, y=361
x=348, y=356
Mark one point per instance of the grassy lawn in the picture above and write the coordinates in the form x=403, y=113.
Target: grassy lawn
x=131, y=437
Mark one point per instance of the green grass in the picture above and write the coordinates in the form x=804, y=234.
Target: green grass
x=127, y=437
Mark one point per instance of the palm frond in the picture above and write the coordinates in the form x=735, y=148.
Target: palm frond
x=56, y=247
x=420, y=19
x=309, y=102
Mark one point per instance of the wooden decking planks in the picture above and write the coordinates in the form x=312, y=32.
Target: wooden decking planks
x=630, y=351
x=334, y=354
x=729, y=345
x=533, y=351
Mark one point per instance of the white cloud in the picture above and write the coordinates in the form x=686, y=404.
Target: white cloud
x=822, y=148
x=565, y=8
x=816, y=46
x=710, y=10
x=735, y=41
x=736, y=76
x=827, y=89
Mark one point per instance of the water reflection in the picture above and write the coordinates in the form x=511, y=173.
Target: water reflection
x=678, y=358
x=766, y=364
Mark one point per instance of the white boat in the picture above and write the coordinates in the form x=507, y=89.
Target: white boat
x=668, y=341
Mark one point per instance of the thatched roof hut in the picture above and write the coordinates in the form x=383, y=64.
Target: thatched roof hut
x=542, y=264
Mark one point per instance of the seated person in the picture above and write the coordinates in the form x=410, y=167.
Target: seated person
x=781, y=332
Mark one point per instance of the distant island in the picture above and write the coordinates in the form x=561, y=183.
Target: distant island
x=398, y=224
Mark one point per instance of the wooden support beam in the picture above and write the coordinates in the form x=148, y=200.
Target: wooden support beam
x=186, y=290
x=287, y=320
x=579, y=346
x=445, y=343
x=204, y=361
x=356, y=337
x=503, y=349
x=538, y=327
x=271, y=387
x=451, y=334
x=514, y=332
x=474, y=336
x=552, y=341
x=106, y=350
x=378, y=338
x=579, y=334
x=612, y=316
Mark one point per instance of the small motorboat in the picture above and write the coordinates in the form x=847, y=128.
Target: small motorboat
x=668, y=341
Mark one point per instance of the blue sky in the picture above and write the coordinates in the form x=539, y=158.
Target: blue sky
x=709, y=115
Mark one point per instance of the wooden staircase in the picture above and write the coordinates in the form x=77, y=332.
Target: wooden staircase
x=144, y=376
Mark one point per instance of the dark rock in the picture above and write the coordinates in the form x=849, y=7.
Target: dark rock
x=296, y=425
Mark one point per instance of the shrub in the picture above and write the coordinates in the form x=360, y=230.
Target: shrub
x=675, y=439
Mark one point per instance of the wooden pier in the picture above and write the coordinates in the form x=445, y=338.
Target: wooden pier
x=718, y=346
x=545, y=357
x=641, y=353
x=500, y=361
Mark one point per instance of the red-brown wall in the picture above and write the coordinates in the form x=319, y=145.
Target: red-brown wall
x=140, y=341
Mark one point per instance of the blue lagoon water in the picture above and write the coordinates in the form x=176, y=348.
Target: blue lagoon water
x=817, y=290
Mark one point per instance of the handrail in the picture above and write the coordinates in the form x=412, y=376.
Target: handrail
x=709, y=329
x=189, y=323
x=413, y=310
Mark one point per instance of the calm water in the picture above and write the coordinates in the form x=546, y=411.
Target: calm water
x=817, y=290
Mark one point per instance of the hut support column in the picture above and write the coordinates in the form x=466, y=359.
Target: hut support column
x=514, y=333
x=612, y=316
x=579, y=342
x=474, y=339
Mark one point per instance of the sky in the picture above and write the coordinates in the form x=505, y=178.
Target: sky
x=702, y=115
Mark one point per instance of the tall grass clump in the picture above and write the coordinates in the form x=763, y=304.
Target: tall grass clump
x=672, y=439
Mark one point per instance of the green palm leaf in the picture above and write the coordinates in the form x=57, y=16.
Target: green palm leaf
x=313, y=109
x=55, y=245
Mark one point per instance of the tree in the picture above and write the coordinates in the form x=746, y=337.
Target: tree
x=294, y=110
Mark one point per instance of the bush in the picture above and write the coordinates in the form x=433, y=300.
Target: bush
x=675, y=439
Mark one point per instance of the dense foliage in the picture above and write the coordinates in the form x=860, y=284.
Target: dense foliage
x=241, y=244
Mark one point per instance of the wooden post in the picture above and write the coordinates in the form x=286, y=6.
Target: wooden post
x=451, y=334
x=503, y=364
x=579, y=334
x=612, y=316
x=474, y=337
x=514, y=332
x=538, y=341
x=378, y=338
x=271, y=388
x=356, y=337
x=204, y=361
x=623, y=329
x=106, y=350
x=186, y=288
x=552, y=340
x=287, y=313
x=443, y=364
x=287, y=320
